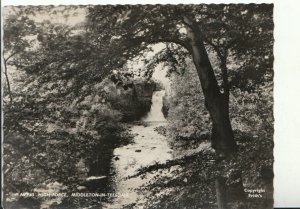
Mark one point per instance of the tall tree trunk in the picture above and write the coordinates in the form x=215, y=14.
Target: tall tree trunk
x=221, y=193
x=8, y=83
x=215, y=102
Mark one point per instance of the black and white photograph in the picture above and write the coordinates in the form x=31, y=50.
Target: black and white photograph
x=144, y=106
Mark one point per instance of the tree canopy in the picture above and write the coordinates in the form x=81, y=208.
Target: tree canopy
x=238, y=34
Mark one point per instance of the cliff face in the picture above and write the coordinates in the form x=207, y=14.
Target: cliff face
x=140, y=102
x=144, y=90
x=133, y=102
x=166, y=106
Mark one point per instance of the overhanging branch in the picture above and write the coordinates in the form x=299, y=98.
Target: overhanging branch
x=10, y=56
x=173, y=40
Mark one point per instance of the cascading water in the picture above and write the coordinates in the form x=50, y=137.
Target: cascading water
x=155, y=114
x=148, y=148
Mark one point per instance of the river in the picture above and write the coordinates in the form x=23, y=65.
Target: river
x=148, y=147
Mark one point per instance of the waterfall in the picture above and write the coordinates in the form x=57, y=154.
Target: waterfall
x=148, y=147
x=155, y=114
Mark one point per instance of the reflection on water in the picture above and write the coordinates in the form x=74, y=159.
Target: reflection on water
x=148, y=148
